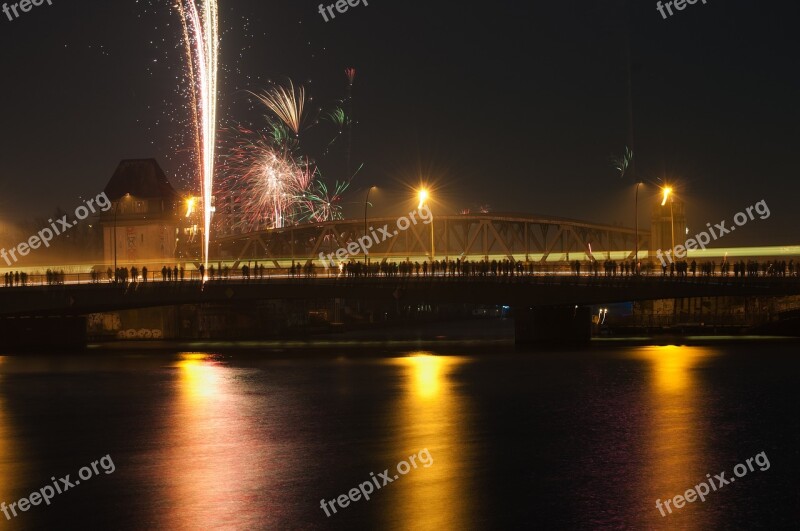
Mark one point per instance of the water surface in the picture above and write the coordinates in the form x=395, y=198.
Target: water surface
x=550, y=440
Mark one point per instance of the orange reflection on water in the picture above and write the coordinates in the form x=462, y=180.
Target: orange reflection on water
x=210, y=468
x=431, y=414
x=676, y=449
x=200, y=380
x=427, y=375
x=672, y=367
x=11, y=471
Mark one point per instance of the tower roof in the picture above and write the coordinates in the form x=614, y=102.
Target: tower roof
x=140, y=178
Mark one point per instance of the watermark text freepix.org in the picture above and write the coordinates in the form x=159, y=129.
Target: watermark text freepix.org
x=717, y=482
x=704, y=238
x=57, y=227
x=24, y=6
x=679, y=5
x=59, y=486
x=341, y=6
x=383, y=479
x=366, y=242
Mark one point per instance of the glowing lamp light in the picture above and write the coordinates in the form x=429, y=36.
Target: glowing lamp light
x=423, y=196
x=190, y=206
x=667, y=192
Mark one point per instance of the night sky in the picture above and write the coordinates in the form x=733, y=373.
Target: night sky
x=515, y=105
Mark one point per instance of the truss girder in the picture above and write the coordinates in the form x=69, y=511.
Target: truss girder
x=474, y=236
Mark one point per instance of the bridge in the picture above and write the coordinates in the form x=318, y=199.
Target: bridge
x=535, y=252
x=545, y=307
x=516, y=237
x=513, y=291
x=548, y=241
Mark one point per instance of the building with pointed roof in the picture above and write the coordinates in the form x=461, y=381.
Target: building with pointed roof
x=141, y=227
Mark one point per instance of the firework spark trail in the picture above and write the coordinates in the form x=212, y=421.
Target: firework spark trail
x=287, y=104
x=351, y=77
x=203, y=44
x=193, y=93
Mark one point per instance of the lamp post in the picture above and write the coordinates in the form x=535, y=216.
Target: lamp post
x=423, y=196
x=667, y=195
x=636, y=229
x=116, y=207
x=366, y=203
x=672, y=226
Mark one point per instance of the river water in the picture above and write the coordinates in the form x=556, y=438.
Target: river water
x=255, y=439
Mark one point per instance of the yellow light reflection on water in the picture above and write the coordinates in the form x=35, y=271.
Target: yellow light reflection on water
x=10, y=469
x=677, y=454
x=200, y=379
x=427, y=376
x=431, y=414
x=672, y=367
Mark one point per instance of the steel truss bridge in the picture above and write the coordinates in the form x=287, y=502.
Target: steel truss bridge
x=516, y=237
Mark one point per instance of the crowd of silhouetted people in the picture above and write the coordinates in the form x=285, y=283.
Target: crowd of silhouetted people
x=739, y=269
x=176, y=273
x=448, y=268
x=21, y=278
x=16, y=278
x=437, y=268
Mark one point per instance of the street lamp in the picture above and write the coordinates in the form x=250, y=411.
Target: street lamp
x=667, y=194
x=636, y=229
x=423, y=197
x=366, y=202
x=190, y=203
x=667, y=191
x=672, y=226
x=116, y=207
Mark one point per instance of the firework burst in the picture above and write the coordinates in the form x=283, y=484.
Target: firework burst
x=320, y=204
x=266, y=182
x=271, y=182
x=287, y=104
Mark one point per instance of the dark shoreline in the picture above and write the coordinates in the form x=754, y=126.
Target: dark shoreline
x=474, y=336
x=442, y=346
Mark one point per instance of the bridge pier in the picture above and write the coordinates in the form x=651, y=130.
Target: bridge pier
x=552, y=325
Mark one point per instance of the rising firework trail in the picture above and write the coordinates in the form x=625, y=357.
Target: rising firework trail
x=201, y=35
x=351, y=77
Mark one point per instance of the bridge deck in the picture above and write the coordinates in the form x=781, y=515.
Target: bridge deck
x=519, y=291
